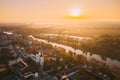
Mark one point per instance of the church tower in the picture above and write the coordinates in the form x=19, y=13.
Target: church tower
x=41, y=59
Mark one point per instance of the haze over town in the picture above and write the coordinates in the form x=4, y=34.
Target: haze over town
x=59, y=40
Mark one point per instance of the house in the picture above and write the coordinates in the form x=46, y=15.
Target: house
x=13, y=61
x=23, y=69
x=3, y=70
x=21, y=65
x=61, y=76
x=2, y=67
x=25, y=72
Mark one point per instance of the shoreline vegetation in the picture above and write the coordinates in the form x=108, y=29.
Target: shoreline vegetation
x=57, y=60
x=104, y=45
x=105, y=42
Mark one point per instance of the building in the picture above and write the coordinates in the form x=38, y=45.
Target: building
x=61, y=76
x=38, y=58
x=41, y=59
x=26, y=73
x=28, y=41
x=6, y=38
x=2, y=67
x=3, y=70
x=23, y=69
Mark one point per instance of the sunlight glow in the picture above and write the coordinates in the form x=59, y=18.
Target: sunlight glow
x=75, y=12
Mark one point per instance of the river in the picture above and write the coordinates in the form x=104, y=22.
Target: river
x=108, y=61
x=76, y=37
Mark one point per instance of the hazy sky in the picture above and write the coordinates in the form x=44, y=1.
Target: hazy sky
x=58, y=9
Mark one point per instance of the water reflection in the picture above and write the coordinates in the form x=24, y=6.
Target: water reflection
x=89, y=56
x=76, y=37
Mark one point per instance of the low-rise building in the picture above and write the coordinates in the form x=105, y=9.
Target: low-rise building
x=23, y=69
x=2, y=67
x=38, y=58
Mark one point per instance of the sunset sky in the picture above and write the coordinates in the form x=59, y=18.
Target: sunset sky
x=58, y=9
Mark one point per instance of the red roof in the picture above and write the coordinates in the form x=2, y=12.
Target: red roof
x=2, y=66
x=22, y=64
x=26, y=71
x=34, y=52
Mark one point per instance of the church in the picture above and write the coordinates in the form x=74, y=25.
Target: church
x=38, y=58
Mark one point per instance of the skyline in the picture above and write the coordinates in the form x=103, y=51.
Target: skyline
x=54, y=9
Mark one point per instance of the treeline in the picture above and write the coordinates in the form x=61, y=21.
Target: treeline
x=104, y=45
x=90, y=30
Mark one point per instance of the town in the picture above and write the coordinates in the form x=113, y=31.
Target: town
x=59, y=39
x=26, y=58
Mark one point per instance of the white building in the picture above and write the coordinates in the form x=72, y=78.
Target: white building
x=41, y=59
x=38, y=58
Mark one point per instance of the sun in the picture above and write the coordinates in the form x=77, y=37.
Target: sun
x=75, y=12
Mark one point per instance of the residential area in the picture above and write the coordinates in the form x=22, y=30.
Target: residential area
x=25, y=58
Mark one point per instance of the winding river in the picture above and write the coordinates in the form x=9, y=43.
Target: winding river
x=108, y=61
x=76, y=37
